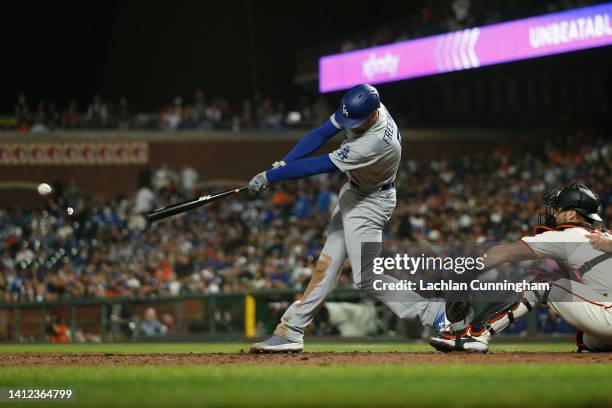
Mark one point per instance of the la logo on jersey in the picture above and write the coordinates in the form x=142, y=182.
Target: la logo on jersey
x=344, y=111
x=344, y=152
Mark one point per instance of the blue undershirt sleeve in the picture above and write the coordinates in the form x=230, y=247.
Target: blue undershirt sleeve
x=302, y=168
x=312, y=141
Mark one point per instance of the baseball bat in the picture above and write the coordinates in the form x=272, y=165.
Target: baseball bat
x=173, y=209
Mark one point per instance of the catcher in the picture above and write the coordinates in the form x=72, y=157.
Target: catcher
x=583, y=299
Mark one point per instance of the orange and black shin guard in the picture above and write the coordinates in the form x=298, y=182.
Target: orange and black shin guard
x=505, y=319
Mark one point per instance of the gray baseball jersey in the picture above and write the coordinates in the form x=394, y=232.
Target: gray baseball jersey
x=370, y=160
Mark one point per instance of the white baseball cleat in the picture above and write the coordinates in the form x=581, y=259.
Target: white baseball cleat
x=469, y=343
x=277, y=344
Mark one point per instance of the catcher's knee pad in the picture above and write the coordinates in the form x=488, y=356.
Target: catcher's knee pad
x=457, y=311
x=535, y=297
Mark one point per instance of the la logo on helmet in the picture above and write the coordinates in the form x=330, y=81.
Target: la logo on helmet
x=344, y=111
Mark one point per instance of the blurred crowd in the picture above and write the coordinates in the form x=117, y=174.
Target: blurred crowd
x=198, y=112
x=96, y=247
x=437, y=17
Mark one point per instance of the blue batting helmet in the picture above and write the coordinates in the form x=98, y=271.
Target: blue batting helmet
x=356, y=105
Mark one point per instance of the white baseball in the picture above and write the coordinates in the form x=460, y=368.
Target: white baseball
x=44, y=189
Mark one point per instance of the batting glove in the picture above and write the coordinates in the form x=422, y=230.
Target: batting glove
x=278, y=164
x=258, y=183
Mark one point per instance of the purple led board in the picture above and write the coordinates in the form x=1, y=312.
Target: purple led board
x=555, y=33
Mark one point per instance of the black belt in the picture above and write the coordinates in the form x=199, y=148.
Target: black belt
x=387, y=186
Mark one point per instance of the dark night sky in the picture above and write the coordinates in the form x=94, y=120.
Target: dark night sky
x=153, y=51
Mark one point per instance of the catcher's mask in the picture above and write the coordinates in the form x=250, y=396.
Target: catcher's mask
x=546, y=216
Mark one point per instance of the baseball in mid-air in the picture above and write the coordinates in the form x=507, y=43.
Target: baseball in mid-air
x=44, y=189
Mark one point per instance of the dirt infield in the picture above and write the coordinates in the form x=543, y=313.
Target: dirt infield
x=319, y=359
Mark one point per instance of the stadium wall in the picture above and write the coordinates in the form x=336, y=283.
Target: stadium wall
x=215, y=155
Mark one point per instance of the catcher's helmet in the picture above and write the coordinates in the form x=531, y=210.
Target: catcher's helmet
x=580, y=198
x=356, y=105
x=573, y=197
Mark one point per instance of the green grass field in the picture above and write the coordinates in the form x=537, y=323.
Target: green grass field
x=448, y=385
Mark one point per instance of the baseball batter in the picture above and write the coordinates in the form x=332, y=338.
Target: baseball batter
x=369, y=155
x=569, y=237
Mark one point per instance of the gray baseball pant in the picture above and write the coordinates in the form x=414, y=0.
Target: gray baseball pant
x=359, y=217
